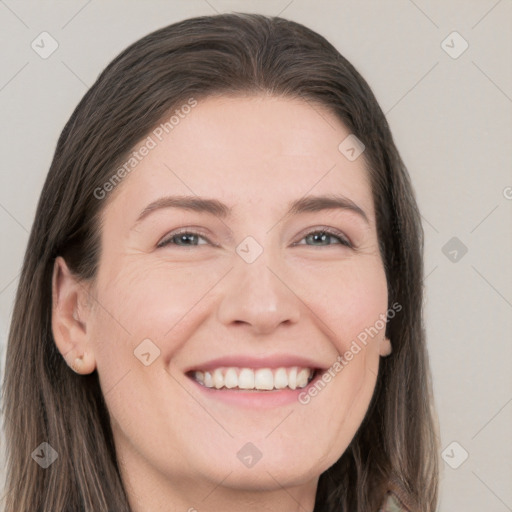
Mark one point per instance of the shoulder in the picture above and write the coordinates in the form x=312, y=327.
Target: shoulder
x=397, y=499
x=392, y=503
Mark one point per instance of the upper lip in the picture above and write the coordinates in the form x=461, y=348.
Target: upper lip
x=245, y=361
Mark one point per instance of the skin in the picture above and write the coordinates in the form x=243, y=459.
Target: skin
x=177, y=449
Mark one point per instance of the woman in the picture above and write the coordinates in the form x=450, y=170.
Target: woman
x=220, y=306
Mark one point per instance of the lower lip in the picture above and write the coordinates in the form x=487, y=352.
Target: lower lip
x=262, y=399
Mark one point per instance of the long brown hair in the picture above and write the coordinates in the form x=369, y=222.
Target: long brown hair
x=44, y=401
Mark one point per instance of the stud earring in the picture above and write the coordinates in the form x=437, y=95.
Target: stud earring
x=77, y=364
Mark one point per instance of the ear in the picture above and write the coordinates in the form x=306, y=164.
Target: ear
x=385, y=347
x=70, y=309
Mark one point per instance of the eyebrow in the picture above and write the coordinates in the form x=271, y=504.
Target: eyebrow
x=221, y=210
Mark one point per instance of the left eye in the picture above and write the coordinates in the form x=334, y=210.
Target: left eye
x=323, y=235
x=191, y=238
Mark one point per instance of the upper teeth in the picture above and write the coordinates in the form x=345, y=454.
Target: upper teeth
x=262, y=378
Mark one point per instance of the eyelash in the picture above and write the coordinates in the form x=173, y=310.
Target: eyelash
x=343, y=240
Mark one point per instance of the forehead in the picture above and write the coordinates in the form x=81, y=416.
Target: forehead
x=246, y=149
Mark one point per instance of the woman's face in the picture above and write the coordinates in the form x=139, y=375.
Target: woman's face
x=242, y=290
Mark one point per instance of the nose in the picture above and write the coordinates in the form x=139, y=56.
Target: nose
x=255, y=294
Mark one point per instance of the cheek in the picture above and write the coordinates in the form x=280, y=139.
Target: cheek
x=155, y=301
x=159, y=303
x=349, y=299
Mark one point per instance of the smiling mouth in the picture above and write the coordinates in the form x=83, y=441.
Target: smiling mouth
x=259, y=379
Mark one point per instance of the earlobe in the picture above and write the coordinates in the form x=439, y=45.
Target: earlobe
x=83, y=363
x=69, y=319
x=385, y=347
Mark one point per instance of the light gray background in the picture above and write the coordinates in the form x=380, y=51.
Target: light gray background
x=451, y=120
